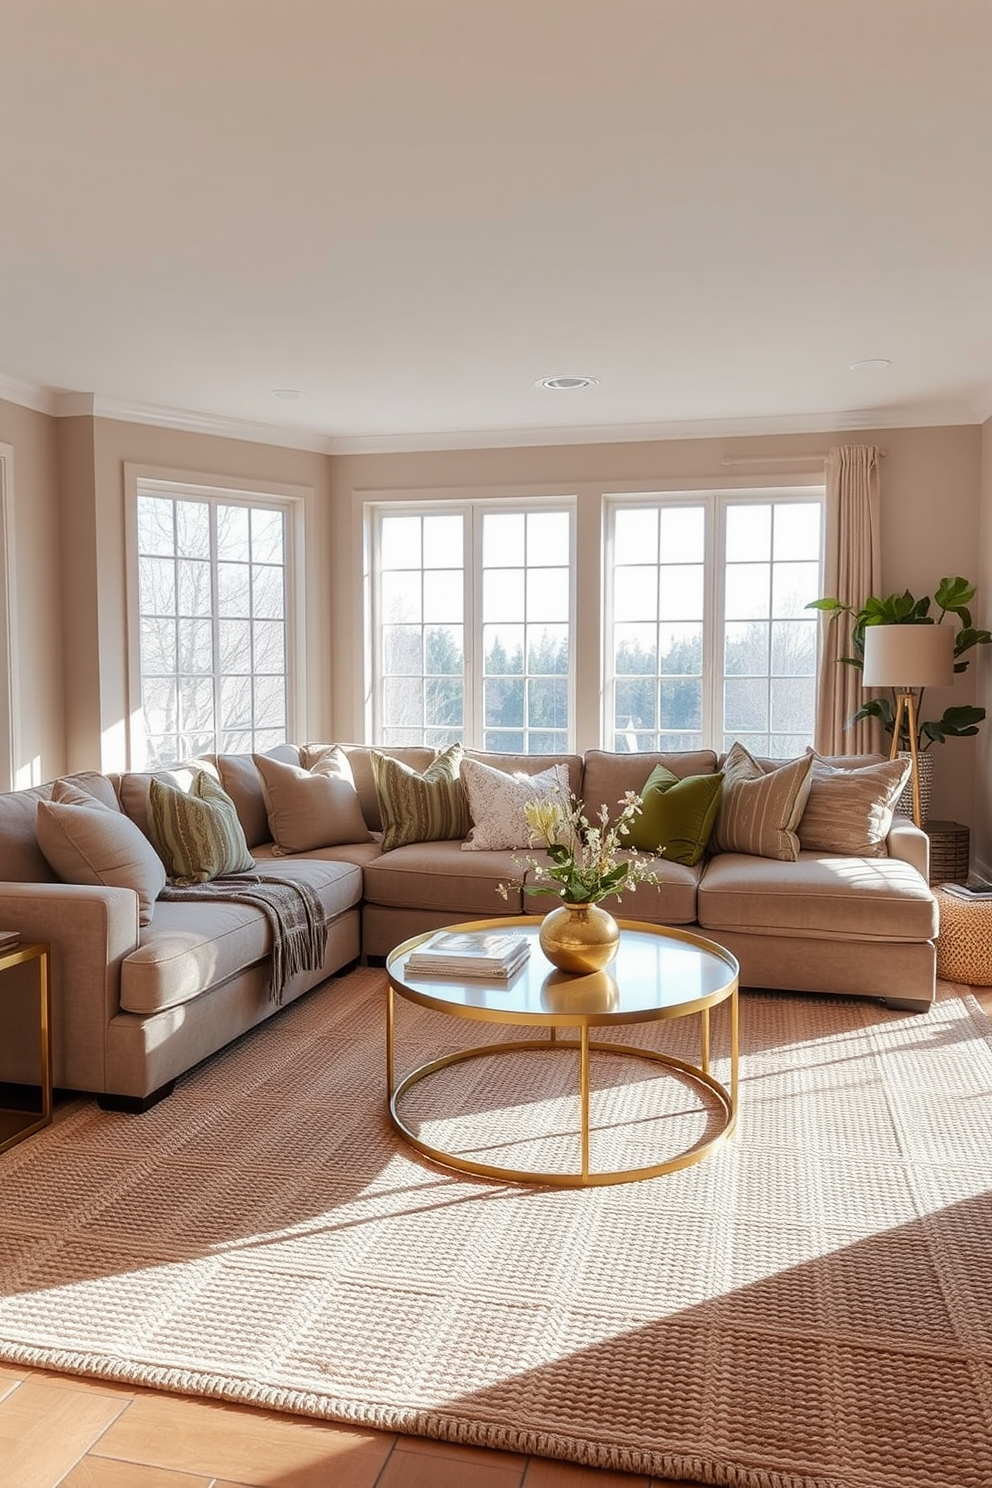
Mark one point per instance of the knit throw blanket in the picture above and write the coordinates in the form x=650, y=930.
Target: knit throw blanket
x=293, y=910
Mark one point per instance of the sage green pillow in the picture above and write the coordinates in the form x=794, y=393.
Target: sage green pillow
x=677, y=816
x=196, y=833
x=415, y=807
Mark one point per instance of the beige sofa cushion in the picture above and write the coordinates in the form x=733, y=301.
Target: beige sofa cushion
x=417, y=756
x=239, y=777
x=817, y=896
x=531, y=764
x=608, y=776
x=21, y=859
x=133, y=789
x=191, y=947
x=439, y=876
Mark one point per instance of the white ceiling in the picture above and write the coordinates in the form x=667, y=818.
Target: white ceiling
x=410, y=210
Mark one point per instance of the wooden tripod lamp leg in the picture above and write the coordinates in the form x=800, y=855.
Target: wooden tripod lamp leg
x=906, y=708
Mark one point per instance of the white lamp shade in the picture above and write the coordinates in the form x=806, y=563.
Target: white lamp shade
x=905, y=656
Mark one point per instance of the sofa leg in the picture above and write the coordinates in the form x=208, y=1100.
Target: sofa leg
x=907, y=1004
x=135, y=1105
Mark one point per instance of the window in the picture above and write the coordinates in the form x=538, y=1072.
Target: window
x=213, y=634
x=709, y=638
x=471, y=625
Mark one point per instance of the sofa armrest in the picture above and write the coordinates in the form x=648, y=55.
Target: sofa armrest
x=90, y=931
x=908, y=842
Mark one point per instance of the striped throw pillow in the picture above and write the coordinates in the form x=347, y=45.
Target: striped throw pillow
x=415, y=807
x=196, y=833
x=850, y=810
x=761, y=809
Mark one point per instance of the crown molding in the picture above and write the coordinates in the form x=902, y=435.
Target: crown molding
x=911, y=417
x=191, y=422
x=315, y=441
x=27, y=394
x=983, y=405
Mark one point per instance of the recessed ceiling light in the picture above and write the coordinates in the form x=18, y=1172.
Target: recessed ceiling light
x=871, y=364
x=288, y=395
x=566, y=384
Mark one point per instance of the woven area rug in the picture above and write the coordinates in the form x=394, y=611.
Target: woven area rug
x=809, y=1307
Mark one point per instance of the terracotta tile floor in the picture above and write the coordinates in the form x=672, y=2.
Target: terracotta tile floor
x=58, y=1431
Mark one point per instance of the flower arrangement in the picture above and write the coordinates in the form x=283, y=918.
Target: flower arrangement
x=586, y=863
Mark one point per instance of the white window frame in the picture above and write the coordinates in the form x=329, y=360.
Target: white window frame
x=472, y=509
x=291, y=501
x=714, y=501
x=11, y=775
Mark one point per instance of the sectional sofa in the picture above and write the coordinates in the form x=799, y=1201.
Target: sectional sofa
x=135, y=1005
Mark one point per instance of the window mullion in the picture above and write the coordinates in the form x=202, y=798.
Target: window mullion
x=474, y=653
x=714, y=609
x=215, y=623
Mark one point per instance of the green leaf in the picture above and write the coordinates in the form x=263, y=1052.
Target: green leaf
x=832, y=606
x=879, y=708
x=968, y=637
x=956, y=723
x=951, y=594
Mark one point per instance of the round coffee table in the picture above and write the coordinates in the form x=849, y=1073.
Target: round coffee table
x=659, y=973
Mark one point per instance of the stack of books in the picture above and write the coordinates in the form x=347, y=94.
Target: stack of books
x=9, y=939
x=469, y=953
x=968, y=890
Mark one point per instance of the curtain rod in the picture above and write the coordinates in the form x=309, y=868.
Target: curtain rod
x=780, y=459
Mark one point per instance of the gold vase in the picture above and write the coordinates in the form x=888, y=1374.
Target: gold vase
x=579, y=937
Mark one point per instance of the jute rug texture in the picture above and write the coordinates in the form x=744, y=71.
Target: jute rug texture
x=809, y=1307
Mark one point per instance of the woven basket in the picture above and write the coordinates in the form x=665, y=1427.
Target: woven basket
x=950, y=851
x=904, y=805
x=964, y=944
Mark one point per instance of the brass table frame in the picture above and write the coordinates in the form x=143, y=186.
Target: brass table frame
x=20, y=1124
x=581, y=1018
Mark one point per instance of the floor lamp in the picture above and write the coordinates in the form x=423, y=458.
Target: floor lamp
x=908, y=658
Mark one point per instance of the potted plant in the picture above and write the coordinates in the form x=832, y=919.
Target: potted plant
x=951, y=599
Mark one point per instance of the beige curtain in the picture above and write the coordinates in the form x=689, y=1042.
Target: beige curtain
x=851, y=572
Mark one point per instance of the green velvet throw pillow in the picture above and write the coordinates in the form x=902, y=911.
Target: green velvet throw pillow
x=677, y=816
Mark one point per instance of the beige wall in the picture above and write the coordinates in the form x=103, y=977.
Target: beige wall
x=930, y=515
x=201, y=455
x=68, y=531
x=36, y=628
x=981, y=825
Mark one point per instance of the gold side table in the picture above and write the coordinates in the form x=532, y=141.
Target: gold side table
x=16, y=1124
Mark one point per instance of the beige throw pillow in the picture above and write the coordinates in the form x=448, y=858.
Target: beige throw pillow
x=496, y=803
x=197, y=832
x=850, y=811
x=86, y=842
x=761, y=809
x=316, y=807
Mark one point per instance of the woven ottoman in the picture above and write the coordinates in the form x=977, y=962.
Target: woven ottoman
x=964, y=945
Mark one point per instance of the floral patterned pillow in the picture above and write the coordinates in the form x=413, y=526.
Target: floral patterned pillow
x=496, y=803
